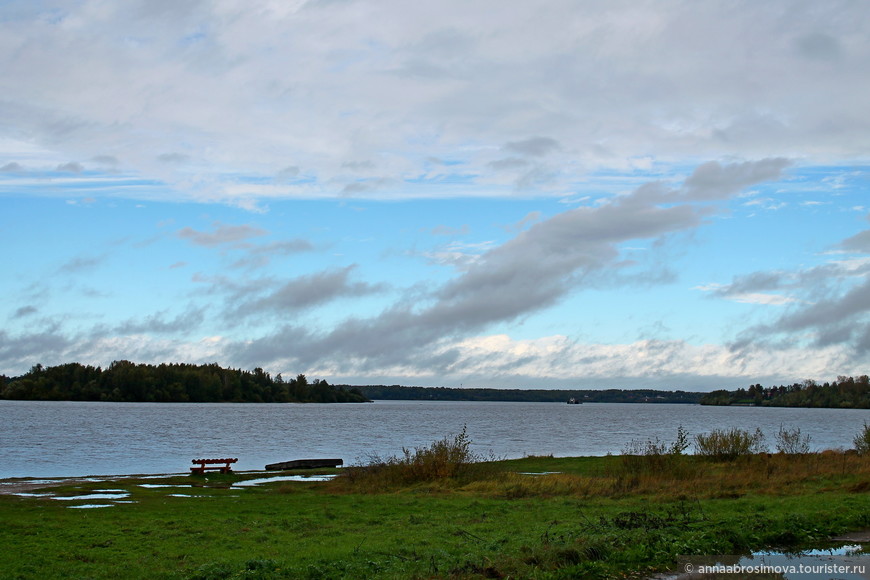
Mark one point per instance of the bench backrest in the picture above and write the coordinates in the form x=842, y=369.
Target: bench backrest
x=210, y=461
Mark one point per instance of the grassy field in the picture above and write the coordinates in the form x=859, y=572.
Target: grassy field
x=588, y=517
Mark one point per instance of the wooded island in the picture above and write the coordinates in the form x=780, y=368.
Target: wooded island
x=124, y=381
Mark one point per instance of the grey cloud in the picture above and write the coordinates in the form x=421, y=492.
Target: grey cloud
x=529, y=218
x=847, y=308
x=508, y=163
x=356, y=187
x=259, y=256
x=860, y=242
x=308, y=291
x=368, y=185
x=440, y=55
x=816, y=283
x=755, y=282
x=12, y=167
x=71, y=167
x=358, y=165
x=840, y=320
x=173, y=158
x=818, y=45
x=537, y=177
x=109, y=160
x=284, y=248
x=712, y=181
x=288, y=172
x=544, y=262
x=159, y=323
x=23, y=350
x=449, y=231
x=222, y=234
x=532, y=271
x=835, y=309
x=81, y=264
x=534, y=146
x=25, y=311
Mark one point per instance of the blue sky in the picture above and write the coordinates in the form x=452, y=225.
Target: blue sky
x=558, y=194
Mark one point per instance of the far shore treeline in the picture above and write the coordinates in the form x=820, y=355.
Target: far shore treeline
x=397, y=392
x=124, y=381
x=845, y=393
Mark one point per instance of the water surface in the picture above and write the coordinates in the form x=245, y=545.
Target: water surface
x=60, y=439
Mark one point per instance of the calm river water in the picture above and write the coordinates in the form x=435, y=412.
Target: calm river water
x=44, y=439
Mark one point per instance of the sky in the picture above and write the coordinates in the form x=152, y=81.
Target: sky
x=558, y=194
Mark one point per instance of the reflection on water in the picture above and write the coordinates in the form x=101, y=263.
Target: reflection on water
x=91, y=505
x=848, y=562
x=254, y=482
x=91, y=496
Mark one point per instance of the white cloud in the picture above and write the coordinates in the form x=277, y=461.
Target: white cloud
x=214, y=99
x=557, y=361
x=760, y=298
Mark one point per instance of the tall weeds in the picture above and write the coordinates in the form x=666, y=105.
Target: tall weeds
x=652, y=459
x=728, y=445
x=862, y=441
x=448, y=459
x=792, y=442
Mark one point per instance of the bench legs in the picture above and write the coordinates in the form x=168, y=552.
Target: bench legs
x=202, y=470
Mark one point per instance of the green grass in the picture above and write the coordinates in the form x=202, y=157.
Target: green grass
x=588, y=520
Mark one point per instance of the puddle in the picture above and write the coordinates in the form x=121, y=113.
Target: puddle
x=91, y=496
x=254, y=482
x=162, y=485
x=540, y=472
x=843, y=562
x=86, y=506
x=848, y=550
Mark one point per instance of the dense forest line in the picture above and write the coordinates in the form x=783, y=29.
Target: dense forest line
x=845, y=392
x=397, y=392
x=124, y=381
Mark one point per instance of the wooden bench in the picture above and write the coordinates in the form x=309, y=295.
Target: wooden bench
x=222, y=465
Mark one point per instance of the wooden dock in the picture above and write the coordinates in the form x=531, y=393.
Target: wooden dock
x=304, y=464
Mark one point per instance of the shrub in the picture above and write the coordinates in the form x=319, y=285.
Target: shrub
x=447, y=458
x=791, y=442
x=653, y=456
x=729, y=445
x=862, y=441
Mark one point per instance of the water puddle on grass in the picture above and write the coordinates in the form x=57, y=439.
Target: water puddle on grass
x=115, y=496
x=843, y=562
x=255, y=482
x=163, y=485
x=539, y=472
x=87, y=506
x=89, y=496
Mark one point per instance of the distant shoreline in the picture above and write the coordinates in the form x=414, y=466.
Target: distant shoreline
x=403, y=393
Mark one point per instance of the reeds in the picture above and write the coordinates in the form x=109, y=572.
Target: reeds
x=450, y=458
x=792, y=442
x=726, y=463
x=728, y=445
x=862, y=440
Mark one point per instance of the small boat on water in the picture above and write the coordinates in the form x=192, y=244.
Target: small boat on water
x=574, y=401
